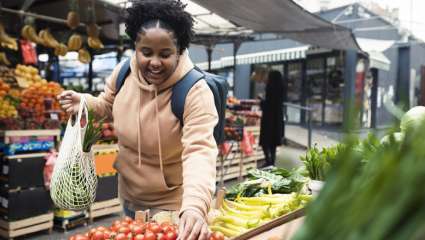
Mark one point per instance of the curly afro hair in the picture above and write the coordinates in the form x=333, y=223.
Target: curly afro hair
x=169, y=13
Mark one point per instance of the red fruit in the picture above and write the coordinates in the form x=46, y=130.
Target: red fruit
x=150, y=235
x=138, y=230
x=98, y=235
x=155, y=228
x=81, y=237
x=171, y=236
x=121, y=236
x=161, y=236
x=128, y=220
x=217, y=236
x=101, y=228
x=125, y=230
x=139, y=237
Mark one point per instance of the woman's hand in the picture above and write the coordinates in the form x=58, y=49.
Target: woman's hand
x=192, y=226
x=69, y=101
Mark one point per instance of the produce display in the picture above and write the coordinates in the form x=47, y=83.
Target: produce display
x=27, y=75
x=38, y=100
x=129, y=229
x=270, y=181
x=244, y=213
x=7, y=75
x=349, y=207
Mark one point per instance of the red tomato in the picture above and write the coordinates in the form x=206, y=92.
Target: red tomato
x=107, y=234
x=155, y=228
x=125, y=230
x=121, y=236
x=81, y=237
x=217, y=236
x=117, y=222
x=139, y=237
x=101, y=228
x=128, y=220
x=171, y=236
x=168, y=228
x=71, y=238
x=138, y=230
x=98, y=235
x=150, y=235
x=92, y=231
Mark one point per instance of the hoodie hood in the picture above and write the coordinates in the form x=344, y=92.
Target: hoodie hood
x=184, y=66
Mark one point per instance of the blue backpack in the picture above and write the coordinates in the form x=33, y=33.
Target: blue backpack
x=217, y=84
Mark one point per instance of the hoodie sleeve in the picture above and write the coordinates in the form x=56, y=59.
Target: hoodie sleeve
x=102, y=104
x=199, y=149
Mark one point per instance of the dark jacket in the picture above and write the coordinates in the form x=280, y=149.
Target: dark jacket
x=272, y=119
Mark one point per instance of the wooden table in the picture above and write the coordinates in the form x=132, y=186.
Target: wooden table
x=282, y=232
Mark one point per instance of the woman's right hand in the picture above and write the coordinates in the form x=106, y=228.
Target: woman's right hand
x=69, y=101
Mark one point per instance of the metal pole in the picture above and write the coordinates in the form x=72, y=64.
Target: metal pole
x=309, y=128
x=349, y=89
x=38, y=16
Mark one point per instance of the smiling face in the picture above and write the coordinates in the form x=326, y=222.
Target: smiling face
x=157, y=54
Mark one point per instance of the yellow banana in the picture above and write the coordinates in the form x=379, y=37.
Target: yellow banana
x=74, y=42
x=84, y=56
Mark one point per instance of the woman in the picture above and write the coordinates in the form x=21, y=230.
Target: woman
x=271, y=131
x=162, y=165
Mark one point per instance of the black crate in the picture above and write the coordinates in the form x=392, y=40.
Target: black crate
x=21, y=204
x=23, y=171
x=107, y=188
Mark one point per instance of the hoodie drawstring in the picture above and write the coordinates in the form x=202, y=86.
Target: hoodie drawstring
x=139, y=148
x=158, y=130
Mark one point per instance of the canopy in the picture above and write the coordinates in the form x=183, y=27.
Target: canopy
x=285, y=18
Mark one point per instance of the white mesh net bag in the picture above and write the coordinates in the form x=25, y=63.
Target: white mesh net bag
x=74, y=180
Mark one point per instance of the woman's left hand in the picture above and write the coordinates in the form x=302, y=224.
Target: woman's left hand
x=192, y=226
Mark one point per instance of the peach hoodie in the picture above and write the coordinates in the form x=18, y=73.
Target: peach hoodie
x=160, y=163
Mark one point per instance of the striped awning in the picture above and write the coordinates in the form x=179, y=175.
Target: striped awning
x=258, y=57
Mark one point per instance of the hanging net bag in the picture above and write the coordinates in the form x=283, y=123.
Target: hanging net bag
x=74, y=180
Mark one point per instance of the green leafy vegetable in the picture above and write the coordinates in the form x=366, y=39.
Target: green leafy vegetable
x=93, y=131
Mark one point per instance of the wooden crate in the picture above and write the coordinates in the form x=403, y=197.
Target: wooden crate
x=104, y=208
x=10, y=230
x=68, y=223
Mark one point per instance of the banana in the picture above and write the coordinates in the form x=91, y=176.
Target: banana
x=47, y=39
x=24, y=32
x=74, y=42
x=4, y=59
x=6, y=40
x=32, y=35
x=94, y=43
x=84, y=56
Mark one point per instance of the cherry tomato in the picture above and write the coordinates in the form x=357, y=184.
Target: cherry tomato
x=128, y=220
x=121, y=236
x=81, y=237
x=168, y=228
x=217, y=236
x=139, y=237
x=155, y=228
x=98, y=235
x=101, y=228
x=150, y=235
x=125, y=230
x=138, y=230
x=107, y=234
x=171, y=236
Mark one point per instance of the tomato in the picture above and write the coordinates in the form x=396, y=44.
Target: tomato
x=121, y=236
x=81, y=237
x=98, y=235
x=125, y=230
x=139, y=237
x=138, y=230
x=71, y=238
x=155, y=228
x=128, y=220
x=168, y=228
x=92, y=231
x=217, y=236
x=150, y=235
x=171, y=236
x=107, y=234
x=101, y=228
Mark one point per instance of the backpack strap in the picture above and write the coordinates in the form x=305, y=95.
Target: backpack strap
x=180, y=91
x=122, y=75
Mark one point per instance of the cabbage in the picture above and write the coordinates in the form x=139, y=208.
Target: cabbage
x=412, y=118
